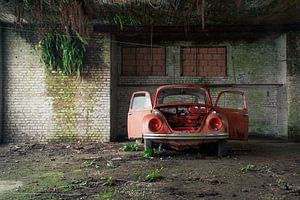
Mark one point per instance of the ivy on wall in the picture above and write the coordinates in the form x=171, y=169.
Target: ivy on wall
x=63, y=53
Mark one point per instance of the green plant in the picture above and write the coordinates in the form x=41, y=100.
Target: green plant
x=88, y=163
x=159, y=149
x=247, y=168
x=148, y=153
x=109, y=181
x=60, y=52
x=131, y=147
x=119, y=20
x=154, y=175
x=106, y=195
x=122, y=20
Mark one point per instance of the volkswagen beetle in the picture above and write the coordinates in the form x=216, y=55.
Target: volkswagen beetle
x=184, y=116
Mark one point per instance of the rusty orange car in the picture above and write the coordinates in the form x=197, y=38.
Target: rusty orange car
x=184, y=116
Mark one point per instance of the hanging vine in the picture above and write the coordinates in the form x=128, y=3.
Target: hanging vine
x=62, y=53
x=63, y=24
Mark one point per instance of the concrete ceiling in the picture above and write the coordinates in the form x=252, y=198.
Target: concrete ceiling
x=176, y=12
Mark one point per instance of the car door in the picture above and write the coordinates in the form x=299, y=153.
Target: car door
x=140, y=106
x=233, y=105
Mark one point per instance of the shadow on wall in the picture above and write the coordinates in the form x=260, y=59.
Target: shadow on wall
x=4, y=56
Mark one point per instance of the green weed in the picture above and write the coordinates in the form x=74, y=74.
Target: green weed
x=131, y=147
x=106, y=195
x=90, y=163
x=109, y=181
x=58, y=51
x=154, y=175
x=148, y=153
x=248, y=168
x=159, y=149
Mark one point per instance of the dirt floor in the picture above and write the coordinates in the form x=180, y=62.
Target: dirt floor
x=257, y=169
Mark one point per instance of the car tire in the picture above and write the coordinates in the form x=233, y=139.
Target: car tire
x=148, y=144
x=222, y=148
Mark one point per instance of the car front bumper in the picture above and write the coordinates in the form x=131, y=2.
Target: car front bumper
x=186, y=136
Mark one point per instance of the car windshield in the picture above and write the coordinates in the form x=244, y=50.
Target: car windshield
x=182, y=95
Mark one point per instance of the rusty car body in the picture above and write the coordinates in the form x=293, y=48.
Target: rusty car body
x=183, y=116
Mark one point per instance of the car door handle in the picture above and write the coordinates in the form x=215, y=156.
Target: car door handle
x=245, y=114
x=129, y=114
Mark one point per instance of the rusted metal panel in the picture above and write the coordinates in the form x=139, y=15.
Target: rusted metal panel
x=238, y=121
x=137, y=113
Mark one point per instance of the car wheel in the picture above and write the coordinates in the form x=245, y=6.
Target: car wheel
x=148, y=144
x=222, y=148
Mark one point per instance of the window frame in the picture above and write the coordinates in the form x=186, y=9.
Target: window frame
x=136, y=74
x=197, y=48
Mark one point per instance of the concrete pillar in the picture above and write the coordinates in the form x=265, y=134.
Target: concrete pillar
x=282, y=107
x=293, y=85
x=114, y=135
x=1, y=82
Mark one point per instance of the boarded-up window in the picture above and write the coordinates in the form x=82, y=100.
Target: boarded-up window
x=143, y=61
x=209, y=61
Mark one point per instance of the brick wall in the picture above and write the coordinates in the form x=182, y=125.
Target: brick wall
x=203, y=61
x=41, y=105
x=257, y=62
x=143, y=61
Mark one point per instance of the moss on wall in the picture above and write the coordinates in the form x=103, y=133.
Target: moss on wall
x=81, y=105
x=63, y=90
x=254, y=61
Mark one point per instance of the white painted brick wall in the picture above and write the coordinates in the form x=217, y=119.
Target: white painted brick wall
x=43, y=106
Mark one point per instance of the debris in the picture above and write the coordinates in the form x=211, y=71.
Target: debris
x=208, y=194
x=110, y=163
x=215, y=182
x=283, y=184
x=295, y=191
x=117, y=158
x=9, y=185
